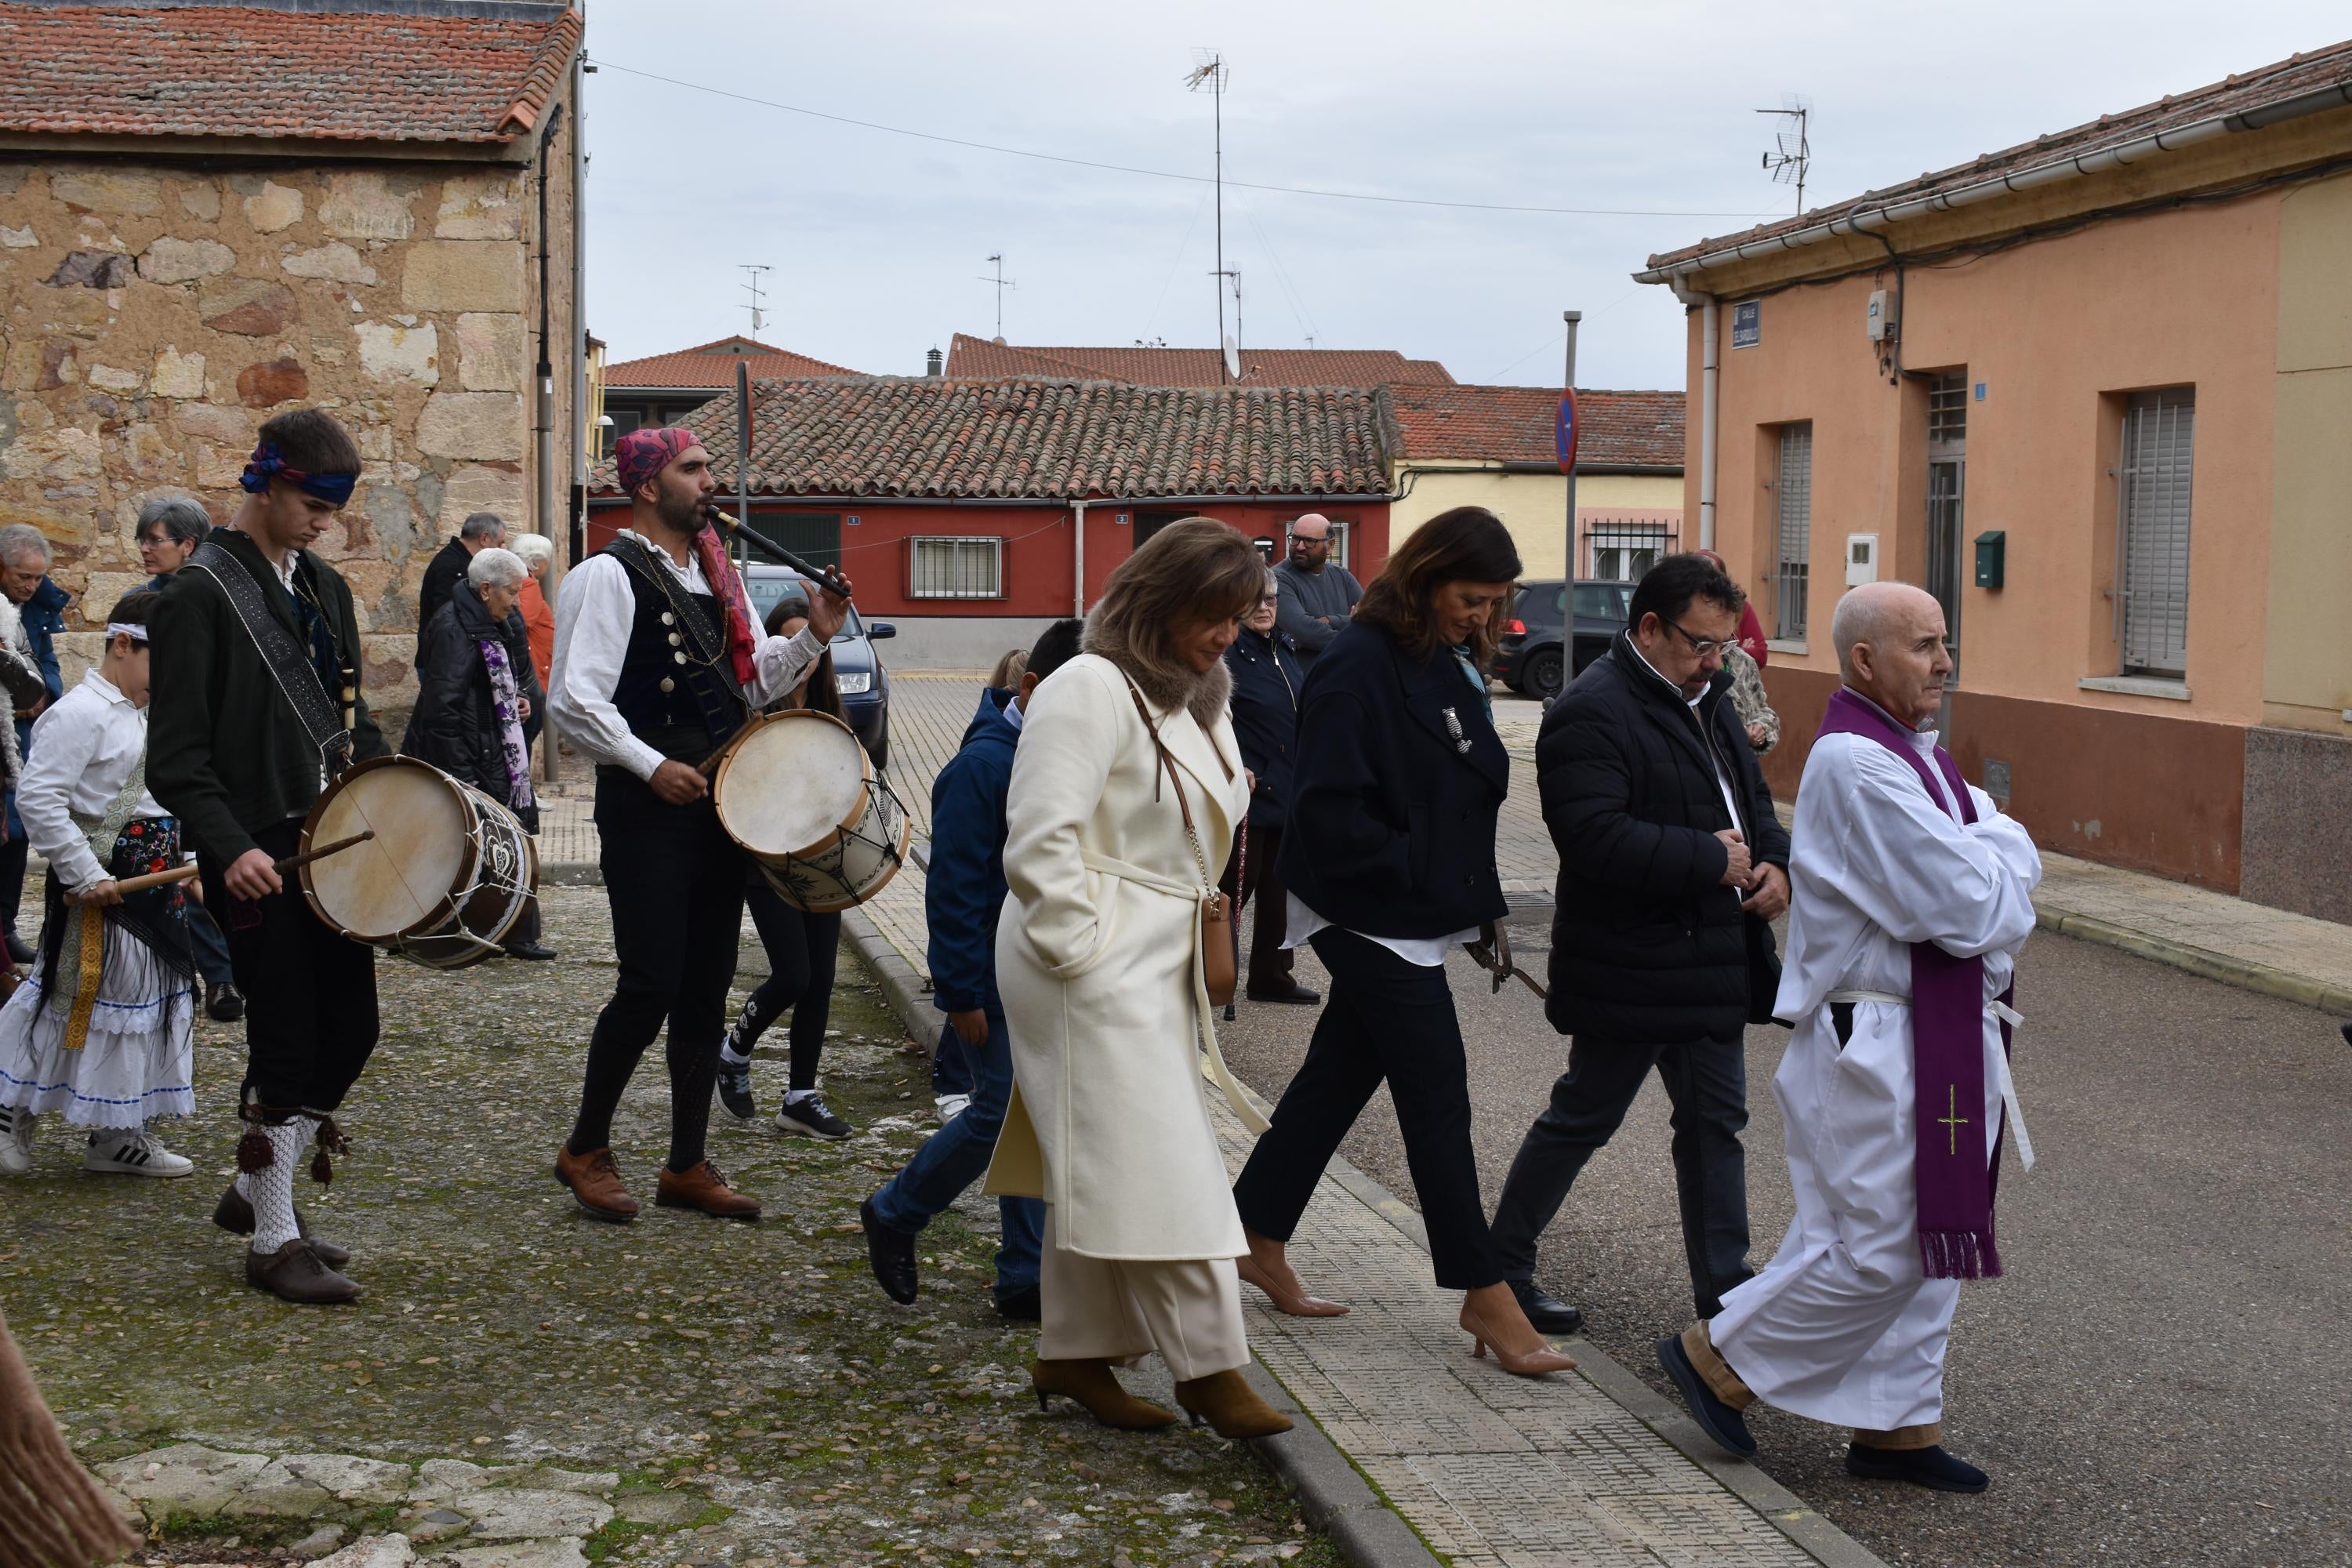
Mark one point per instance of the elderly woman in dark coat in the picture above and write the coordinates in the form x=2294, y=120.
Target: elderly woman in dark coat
x=478, y=702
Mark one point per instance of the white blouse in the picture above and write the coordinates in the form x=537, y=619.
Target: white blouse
x=84, y=750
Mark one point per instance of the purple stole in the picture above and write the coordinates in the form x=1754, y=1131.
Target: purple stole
x=1956, y=1183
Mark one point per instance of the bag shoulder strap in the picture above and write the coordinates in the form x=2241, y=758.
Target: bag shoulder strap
x=288, y=668
x=1168, y=765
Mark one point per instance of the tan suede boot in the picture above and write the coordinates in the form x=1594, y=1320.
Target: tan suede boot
x=1229, y=1404
x=1089, y=1382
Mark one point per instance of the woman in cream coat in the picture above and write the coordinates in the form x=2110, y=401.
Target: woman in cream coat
x=1099, y=960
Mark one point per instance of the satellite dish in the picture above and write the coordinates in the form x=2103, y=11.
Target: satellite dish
x=1233, y=359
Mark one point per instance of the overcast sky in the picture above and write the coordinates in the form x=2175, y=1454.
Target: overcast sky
x=877, y=242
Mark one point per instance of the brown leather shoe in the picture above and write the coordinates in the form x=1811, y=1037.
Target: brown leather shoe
x=234, y=1214
x=704, y=1188
x=1227, y=1403
x=294, y=1273
x=596, y=1183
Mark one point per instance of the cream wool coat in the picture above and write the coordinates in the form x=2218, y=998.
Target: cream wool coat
x=1096, y=959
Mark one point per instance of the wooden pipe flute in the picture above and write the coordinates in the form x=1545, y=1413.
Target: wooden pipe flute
x=140, y=884
x=828, y=577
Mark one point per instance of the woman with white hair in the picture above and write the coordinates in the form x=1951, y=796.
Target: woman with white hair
x=537, y=553
x=478, y=702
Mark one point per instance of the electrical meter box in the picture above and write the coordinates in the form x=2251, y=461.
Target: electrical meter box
x=1879, y=325
x=1860, y=559
x=1990, y=550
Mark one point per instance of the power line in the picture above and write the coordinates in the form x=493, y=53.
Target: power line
x=1164, y=173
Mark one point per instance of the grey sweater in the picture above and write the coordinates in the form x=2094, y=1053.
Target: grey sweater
x=1305, y=596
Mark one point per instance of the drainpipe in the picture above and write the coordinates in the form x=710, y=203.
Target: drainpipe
x=1710, y=382
x=544, y=375
x=1080, y=507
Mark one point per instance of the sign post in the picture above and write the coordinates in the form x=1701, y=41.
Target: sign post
x=1565, y=434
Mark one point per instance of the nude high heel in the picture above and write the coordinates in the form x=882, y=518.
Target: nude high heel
x=1296, y=1304
x=1527, y=1363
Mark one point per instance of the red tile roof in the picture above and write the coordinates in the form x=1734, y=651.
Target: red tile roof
x=220, y=70
x=1050, y=440
x=971, y=356
x=2247, y=93
x=1514, y=425
x=711, y=366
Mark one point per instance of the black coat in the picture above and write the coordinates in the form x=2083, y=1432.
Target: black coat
x=443, y=574
x=1391, y=824
x=454, y=725
x=1267, y=683
x=1648, y=946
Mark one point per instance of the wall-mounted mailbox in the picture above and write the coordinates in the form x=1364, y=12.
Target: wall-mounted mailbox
x=1990, y=550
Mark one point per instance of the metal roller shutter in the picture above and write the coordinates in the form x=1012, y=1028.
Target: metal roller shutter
x=1794, y=529
x=2159, y=436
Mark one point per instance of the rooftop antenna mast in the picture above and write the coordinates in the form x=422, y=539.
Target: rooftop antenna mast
x=1209, y=71
x=759, y=315
x=1792, y=150
x=1001, y=283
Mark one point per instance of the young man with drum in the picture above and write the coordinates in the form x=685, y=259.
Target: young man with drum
x=256, y=703
x=658, y=663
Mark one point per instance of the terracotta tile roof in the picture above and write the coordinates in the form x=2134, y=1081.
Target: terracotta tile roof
x=971, y=356
x=1050, y=440
x=2248, y=92
x=711, y=366
x=1514, y=425
x=255, y=71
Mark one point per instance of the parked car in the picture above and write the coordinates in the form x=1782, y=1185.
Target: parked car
x=1538, y=654
x=857, y=668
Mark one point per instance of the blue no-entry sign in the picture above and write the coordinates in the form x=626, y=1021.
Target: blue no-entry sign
x=1565, y=432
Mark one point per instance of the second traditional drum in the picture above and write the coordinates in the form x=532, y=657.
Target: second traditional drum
x=803, y=798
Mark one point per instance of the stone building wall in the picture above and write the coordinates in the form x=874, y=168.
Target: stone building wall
x=152, y=314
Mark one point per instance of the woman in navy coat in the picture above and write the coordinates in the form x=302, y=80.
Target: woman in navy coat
x=1388, y=853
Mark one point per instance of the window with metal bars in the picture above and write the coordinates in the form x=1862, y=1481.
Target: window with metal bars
x=1948, y=407
x=2152, y=533
x=954, y=567
x=1793, y=489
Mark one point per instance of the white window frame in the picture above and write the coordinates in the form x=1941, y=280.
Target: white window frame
x=990, y=547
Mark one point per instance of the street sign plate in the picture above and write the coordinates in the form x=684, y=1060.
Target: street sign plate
x=1746, y=324
x=1564, y=432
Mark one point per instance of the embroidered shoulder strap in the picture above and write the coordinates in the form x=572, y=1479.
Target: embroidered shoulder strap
x=289, y=669
x=708, y=644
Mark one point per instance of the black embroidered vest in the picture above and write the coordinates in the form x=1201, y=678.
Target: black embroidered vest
x=668, y=693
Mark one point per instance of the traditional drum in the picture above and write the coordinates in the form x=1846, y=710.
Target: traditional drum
x=447, y=874
x=801, y=797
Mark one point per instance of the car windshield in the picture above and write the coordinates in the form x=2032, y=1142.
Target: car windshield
x=766, y=589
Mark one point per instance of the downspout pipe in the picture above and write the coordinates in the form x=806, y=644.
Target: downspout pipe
x=544, y=375
x=1710, y=389
x=1078, y=509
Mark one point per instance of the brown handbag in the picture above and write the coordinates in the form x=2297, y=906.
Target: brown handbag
x=1218, y=969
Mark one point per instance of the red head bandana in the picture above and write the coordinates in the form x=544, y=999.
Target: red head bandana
x=641, y=454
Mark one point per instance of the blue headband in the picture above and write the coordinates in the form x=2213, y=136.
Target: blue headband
x=270, y=463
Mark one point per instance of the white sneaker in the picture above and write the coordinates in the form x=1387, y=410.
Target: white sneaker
x=951, y=1106
x=17, y=1141
x=134, y=1151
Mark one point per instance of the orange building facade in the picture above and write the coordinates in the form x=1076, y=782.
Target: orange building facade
x=2096, y=394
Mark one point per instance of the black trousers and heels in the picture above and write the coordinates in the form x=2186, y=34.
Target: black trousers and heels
x=802, y=949
x=1387, y=1020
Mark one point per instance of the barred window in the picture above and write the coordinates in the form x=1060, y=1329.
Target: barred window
x=2159, y=440
x=1793, y=530
x=955, y=567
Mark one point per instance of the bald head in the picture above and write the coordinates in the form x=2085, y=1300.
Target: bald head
x=1890, y=646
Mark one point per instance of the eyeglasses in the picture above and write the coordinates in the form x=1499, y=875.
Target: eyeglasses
x=1699, y=646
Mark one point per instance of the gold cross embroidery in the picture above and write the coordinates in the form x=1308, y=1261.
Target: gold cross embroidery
x=1952, y=1120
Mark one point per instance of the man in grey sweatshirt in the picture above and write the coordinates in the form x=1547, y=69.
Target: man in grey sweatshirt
x=1317, y=597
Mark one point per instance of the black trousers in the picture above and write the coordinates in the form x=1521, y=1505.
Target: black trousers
x=675, y=882
x=1259, y=883
x=1707, y=1081
x=1387, y=1019
x=310, y=1019
x=802, y=949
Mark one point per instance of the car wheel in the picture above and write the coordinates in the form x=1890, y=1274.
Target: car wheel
x=880, y=749
x=1544, y=675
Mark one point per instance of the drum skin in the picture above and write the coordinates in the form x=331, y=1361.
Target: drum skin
x=447, y=876
x=799, y=795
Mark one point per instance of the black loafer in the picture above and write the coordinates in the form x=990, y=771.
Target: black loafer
x=1930, y=1468
x=530, y=950
x=1021, y=1306
x=1719, y=1421
x=1547, y=1313
x=224, y=1003
x=892, y=1255
x=1294, y=994
x=17, y=950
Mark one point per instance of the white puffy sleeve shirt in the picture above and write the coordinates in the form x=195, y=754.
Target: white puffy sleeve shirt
x=84, y=749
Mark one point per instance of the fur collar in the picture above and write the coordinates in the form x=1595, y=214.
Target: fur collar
x=1167, y=687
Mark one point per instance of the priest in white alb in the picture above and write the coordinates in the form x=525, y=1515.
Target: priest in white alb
x=1911, y=897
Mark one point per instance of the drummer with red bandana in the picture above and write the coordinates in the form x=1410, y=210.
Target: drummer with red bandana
x=658, y=662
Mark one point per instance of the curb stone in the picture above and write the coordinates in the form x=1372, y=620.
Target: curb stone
x=2244, y=973
x=1334, y=1497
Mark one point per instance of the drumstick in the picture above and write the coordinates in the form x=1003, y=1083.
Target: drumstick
x=181, y=873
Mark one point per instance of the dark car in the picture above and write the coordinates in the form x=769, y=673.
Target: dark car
x=857, y=668
x=1535, y=656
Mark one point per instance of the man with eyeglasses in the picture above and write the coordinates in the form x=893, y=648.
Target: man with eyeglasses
x=1318, y=597
x=1672, y=864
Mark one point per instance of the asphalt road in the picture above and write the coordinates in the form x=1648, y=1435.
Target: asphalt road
x=2161, y=1377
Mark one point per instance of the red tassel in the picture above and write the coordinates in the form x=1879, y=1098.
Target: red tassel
x=253, y=1152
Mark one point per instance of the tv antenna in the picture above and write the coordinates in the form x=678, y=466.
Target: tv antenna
x=758, y=315
x=1232, y=346
x=1001, y=283
x=1209, y=71
x=1791, y=151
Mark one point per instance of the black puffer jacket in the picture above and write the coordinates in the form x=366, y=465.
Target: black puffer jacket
x=1648, y=946
x=1267, y=686
x=456, y=725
